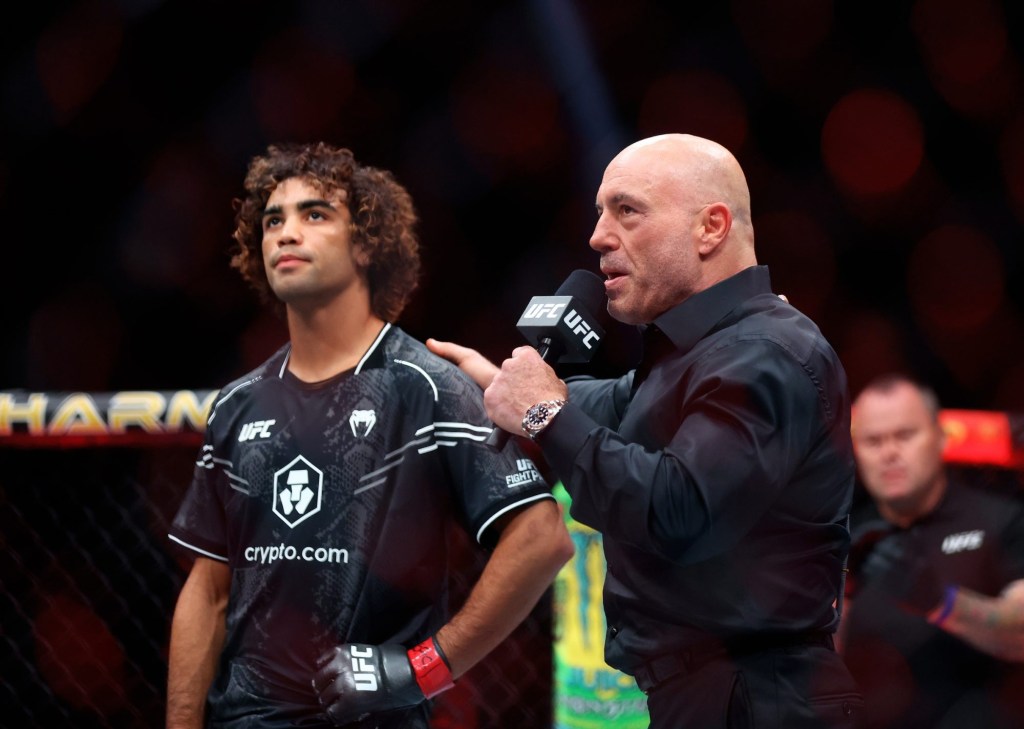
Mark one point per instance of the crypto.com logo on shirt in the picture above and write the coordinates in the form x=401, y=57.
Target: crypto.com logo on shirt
x=298, y=491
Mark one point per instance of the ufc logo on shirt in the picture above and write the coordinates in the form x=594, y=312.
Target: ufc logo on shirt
x=257, y=428
x=963, y=542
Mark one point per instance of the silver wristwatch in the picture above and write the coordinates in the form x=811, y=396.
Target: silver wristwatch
x=539, y=415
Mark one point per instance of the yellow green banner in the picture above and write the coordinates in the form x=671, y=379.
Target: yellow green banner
x=588, y=693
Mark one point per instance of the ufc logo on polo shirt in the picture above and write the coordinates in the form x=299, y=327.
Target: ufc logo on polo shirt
x=963, y=541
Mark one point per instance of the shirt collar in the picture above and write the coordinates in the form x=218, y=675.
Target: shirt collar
x=685, y=323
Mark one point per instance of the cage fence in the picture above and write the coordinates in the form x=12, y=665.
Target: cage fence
x=89, y=579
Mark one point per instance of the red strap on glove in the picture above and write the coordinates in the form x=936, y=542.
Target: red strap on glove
x=430, y=668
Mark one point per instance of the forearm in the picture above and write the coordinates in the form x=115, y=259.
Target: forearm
x=197, y=637
x=994, y=625
x=532, y=548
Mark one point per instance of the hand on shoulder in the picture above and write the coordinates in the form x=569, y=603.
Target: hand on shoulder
x=474, y=364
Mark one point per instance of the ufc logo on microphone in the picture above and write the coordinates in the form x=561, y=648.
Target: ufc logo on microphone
x=362, y=670
x=546, y=310
x=578, y=326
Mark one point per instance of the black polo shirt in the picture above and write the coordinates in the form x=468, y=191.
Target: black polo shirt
x=913, y=674
x=721, y=482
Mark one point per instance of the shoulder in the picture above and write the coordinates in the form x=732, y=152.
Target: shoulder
x=982, y=502
x=767, y=318
x=767, y=334
x=776, y=323
x=771, y=343
x=409, y=359
x=243, y=388
x=422, y=379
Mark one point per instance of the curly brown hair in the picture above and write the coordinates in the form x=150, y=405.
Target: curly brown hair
x=383, y=218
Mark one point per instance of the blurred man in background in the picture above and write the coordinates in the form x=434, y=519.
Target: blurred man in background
x=933, y=628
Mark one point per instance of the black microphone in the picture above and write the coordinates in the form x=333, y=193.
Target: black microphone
x=562, y=327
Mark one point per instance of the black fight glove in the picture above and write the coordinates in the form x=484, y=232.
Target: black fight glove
x=898, y=565
x=356, y=680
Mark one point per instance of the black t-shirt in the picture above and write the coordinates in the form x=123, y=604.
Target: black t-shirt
x=330, y=502
x=913, y=674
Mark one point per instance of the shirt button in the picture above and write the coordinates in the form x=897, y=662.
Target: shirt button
x=613, y=631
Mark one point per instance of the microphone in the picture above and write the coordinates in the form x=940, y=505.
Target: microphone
x=562, y=327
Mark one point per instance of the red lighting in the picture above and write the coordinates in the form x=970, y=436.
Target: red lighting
x=872, y=142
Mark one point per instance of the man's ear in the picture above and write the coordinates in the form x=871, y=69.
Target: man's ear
x=716, y=222
x=360, y=255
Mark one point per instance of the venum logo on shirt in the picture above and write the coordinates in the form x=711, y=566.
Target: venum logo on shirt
x=963, y=542
x=298, y=490
x=362, y=422
x=526, y=472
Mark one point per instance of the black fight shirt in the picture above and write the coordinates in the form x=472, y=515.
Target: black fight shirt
x=330, y=502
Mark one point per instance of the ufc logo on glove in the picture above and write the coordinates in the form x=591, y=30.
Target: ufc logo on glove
x=355, y=680
x=363, y=671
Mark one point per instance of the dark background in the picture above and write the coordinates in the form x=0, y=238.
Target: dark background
x=883, y=143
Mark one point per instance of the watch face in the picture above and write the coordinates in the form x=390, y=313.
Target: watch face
x=539, y=415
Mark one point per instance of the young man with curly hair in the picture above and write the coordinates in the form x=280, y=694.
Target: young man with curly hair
x=329, y=475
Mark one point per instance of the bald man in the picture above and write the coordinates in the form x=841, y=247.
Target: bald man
x=934, y=626
x=720, y=471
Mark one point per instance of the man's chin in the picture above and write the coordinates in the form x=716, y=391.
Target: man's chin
x=294, y=293
x=623, y=314
x=900, y=498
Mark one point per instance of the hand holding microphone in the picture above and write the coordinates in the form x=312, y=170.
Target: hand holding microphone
x=562, y=328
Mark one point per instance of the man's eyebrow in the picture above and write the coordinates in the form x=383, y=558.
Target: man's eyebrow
x=617, y=199
x=303, y=205
x=621, y=197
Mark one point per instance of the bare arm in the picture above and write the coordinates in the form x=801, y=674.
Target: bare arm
x=533, y=546
x=197, y=636
x=994, y=625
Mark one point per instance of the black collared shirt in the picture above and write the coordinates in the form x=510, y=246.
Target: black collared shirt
x=914, y=675
x=721, y=482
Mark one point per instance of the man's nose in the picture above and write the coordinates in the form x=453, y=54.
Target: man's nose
x=602, y=239
x=291, y=232
x=890, y=449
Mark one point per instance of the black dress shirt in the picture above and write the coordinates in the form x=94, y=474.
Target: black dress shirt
x=721, y=482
